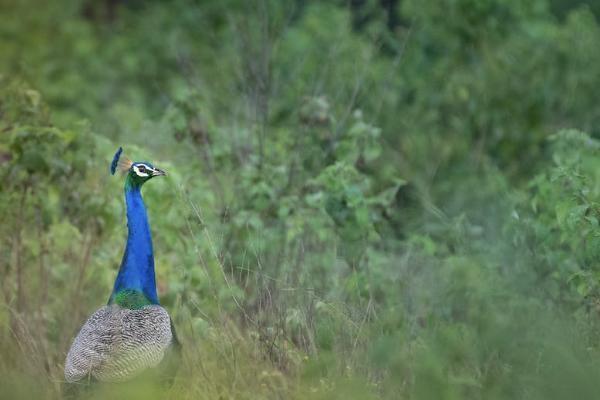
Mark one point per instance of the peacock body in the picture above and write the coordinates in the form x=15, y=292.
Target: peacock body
x=132, y=333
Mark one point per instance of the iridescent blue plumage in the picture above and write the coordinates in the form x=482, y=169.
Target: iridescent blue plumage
x=133, y=333
x=137, y=268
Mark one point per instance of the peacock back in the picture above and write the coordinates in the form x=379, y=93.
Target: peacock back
x=117, y=344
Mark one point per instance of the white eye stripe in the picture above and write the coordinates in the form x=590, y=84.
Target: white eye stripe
x=136, y=169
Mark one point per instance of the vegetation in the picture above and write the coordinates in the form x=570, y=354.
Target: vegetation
x=392, y=199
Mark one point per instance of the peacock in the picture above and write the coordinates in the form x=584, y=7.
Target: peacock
x=132, y=334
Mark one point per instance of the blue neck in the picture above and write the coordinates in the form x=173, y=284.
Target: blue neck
x=137, y=268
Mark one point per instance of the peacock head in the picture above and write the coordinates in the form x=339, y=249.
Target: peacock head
x=138, y=172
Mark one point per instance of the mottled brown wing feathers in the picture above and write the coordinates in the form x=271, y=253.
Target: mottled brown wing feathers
x=117, y=344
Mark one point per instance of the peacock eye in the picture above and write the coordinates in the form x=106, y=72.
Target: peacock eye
x=142, y=169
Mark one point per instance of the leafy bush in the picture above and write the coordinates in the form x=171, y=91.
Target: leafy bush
x=375, y=200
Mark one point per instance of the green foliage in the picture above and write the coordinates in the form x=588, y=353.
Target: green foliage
x=557, y=223
x=377, y=200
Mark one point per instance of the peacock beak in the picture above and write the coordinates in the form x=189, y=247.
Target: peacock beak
x=158, y=172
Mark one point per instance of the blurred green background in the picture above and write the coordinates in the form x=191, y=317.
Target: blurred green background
x=367, y=199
